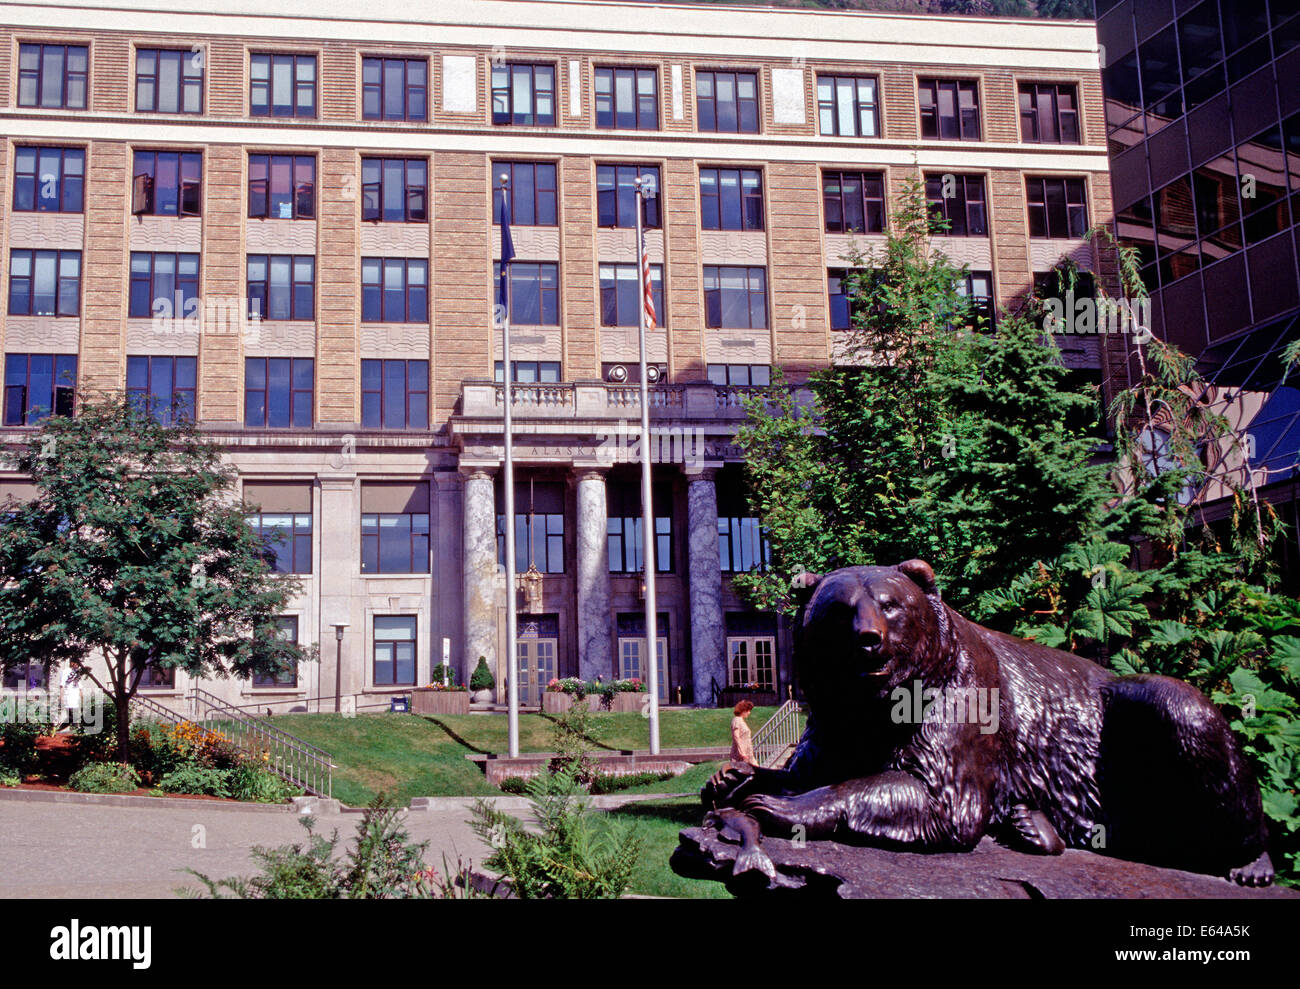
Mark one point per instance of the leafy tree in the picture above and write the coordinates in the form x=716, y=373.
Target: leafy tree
x=133, y=549
x=929, y=438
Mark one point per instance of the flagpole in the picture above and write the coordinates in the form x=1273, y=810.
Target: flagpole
x=647, y=508
x=512, y=631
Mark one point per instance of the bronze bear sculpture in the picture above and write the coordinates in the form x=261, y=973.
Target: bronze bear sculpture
x=1072, y=755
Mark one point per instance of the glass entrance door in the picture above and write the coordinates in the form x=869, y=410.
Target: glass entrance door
x=536, y=669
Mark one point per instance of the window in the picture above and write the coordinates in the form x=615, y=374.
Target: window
x=154, y=677
x=539, y=526
x=282, y=187
x=394, y=88
x=751, y=661
x=627, y=99
x=731, y=199
x=52, y=76
x=620, y=294
x=162, y=386
x=167, y=183
x=530, y=372
x=950, y=110
x=38, y=385
x=959, y=199
x=632, y=650
x=281, y=286
x=287, y=536
x=735, y=298
x=168, y=81
x=394, y=651
x=394, y=290
x=854, y=202
x=394, y=394
x=532, y=192
x=44, y=283
x=978, y=287
x=288, y=678
x=278, y=391
x=841, y=289
x=395, y=542
x=847, y=106
x=1057, y=207
x=523, y=94
x=742, y=546
x=49, y=180
x=163, y=285
x=727, y=102
x=282, y=86
x=534, y=292
x=616, y=196
x=740, y=375
x=1049, y=113
x=626, y=541
x=395, y=190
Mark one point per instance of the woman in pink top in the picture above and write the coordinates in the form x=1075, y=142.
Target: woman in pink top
x=742, y=745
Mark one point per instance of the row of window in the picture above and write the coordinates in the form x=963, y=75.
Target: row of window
x=168, y=183
x=395, y=88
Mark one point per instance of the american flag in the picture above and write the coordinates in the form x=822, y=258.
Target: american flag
x=647, y=290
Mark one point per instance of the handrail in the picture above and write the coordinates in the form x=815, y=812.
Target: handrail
x=286, y=755
x=779, y=734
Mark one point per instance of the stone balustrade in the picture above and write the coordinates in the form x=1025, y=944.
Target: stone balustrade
x=598, y=400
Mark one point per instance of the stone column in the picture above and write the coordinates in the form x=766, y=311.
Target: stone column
x=342, y=668
x=708, y=631
x=480, y=518
x=593, y=577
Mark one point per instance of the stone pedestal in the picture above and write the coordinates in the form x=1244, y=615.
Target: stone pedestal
x=594, y=656
x=708, y=632
x=480, y=569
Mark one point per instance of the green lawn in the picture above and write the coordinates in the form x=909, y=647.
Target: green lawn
x=408, y=755
x=658, y=822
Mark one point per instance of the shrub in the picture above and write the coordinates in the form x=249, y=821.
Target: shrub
x=513, y=784
x=251, y=782
x=105, y=777
x=578, y=854
x=19, y=753
x=194, y=777
x=100, y=746
x=482, y=678
x=611, y=783
x=154, y=751
x=8, y=777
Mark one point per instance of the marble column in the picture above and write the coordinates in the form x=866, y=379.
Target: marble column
x=708, y=630
x=342, y=670
x=594, y=618
x=480, y=519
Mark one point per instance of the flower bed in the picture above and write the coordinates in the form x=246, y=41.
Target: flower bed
x=731, y=696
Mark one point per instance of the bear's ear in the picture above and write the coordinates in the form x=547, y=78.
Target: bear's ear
x=802, y=586
x=922, y=575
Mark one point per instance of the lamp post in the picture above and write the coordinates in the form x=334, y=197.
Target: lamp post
x=644, y=189
x=512, y=620
x=338, y=665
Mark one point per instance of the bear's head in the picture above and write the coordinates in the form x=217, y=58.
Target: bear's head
x=865, y=630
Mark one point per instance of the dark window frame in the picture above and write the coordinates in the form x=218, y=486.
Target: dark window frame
x=19, y=409
x=871, y=207
x=624, y=539
x=260, y=290
x=934, y=123
x=179, y=283
x=263, y=190
x=287, y=678
x=409, y=89
x=715, y=272
x=63, y=182
x=67, y=77
x=708, y=122
x=749, y=206
x=611, y=292
x=188, y=190
x=188, y=74
x=33, y=255
x=529, y=273
x=1048, y=218
x=414, y=641
x=966, y=182
x=415, y=298
x=373, y=556
x=375, y=402
x=981, y=306
x=154, y=404
x=612, y=200
x=415, y=197
x=544, y=372
x=268, y=107
x=508, y=116
x=732, y=533
x=298, y=542
x=545, y=200
x=608, y=112
x=295, y=393
x=833, y=106
x=1032, y=128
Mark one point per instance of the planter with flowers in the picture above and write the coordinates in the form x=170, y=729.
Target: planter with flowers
x=442, y=695
x=598, y=695
x=757, y=695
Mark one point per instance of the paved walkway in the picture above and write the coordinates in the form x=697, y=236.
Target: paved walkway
x=53, y=850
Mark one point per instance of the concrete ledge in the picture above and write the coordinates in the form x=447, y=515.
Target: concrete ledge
x=315, y=805
x=135, y=800
x=620, y=762
x=510, y=802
